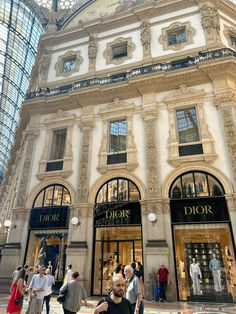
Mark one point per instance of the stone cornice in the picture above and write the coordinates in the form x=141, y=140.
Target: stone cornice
x=225, y=98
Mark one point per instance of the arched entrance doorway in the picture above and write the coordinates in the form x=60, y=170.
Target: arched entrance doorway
x=48, y=230
x=117, y=230
x=204, y=250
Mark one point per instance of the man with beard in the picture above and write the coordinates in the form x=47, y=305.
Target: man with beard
x=115, y=303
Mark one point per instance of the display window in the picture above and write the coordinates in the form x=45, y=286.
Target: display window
x=205, y=260
x=47, y=249
x=113, y=246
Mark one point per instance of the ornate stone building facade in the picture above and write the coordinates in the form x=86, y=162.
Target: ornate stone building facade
x=126, y=147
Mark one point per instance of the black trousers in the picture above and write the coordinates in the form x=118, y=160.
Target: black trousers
x=68, y=312
x=47, y=301
x=163, y=286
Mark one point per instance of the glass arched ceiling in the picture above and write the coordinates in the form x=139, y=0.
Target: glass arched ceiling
x=21, y=24
x=57, y=4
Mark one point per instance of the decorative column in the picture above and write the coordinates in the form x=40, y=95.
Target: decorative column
x=150, y=114
x=85, y=147
x=30, y=140
x=226, y=103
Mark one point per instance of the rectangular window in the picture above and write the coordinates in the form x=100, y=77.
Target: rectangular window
x=187, y=125
x=58, y=144
x=119, y=51
x=176, y=36
x=69, y=64
x=118, y=130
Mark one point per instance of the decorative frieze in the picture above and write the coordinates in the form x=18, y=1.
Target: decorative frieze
x=153, y=186
x=24, y=177
x=85, y=147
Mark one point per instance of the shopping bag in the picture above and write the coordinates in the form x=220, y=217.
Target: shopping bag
x=157, y=292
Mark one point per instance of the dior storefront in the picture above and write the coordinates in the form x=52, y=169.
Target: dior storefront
x=48, y=230
x=202, y=236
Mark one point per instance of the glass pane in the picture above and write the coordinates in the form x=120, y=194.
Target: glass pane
x=58, y=144
x=57, y=197
x=69, y=65
x=97, y=268
x=200, y=243
x=119, y=51
x=112, y=191
x=201, y=184
x=66, y=197
x=39, y=200
x=48, y=196
x=102, y=195
x=126, y=253
x=187, y=125
x=109, y=264
x=117, y=136
x=120, y=233
x=138, y=251
x=176, y=191
x=133, y=192
x=123, y=190
x=214, y=187
x=188, y=185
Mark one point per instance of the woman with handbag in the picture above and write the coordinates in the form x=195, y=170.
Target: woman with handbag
x=17, y=294
x=74, y=295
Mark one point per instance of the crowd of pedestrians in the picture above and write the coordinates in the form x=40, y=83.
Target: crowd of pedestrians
x=125, y=295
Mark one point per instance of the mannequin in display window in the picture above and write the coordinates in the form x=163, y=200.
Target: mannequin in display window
x=214, y=266
x=196, y=275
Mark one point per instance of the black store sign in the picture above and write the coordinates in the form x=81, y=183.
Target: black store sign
x=49, y=217
x=199, y=210
x=117, y=214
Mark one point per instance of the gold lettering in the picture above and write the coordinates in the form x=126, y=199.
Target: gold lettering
x=112, y=214
x=49, y=217
x=197, y=210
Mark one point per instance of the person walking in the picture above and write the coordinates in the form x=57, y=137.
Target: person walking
x=133, y=290
x=74, y=296
x=68, y=274
x=115, y=303
x=37, y=290
x=17, y=292
x=162, y=281
x=48, y=290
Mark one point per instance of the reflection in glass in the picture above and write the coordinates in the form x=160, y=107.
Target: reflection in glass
x=117, y=136
x=112, y=191
x=118, y=190
x=187, y=125
x=195, y=184
x=53, y=195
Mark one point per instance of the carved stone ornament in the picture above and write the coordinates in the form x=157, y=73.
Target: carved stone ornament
x=228, y=116
x=145, y=37
x=154, y=206
x=210, y=22
x=188, y=97
x=108, y=53
x=230, y=32
x=189, y=33
x=92, y=52
x=24, y=177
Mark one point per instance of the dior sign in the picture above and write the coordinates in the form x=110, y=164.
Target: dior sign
x=199, y=210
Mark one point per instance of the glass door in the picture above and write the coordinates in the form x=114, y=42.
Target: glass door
x=110, y=250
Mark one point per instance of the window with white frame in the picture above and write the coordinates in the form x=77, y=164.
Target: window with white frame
x=58, y=144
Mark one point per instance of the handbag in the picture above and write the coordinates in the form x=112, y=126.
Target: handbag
x=19, y=300
x=157, y=292
x=62, y=296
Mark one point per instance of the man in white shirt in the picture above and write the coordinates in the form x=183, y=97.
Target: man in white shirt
x=37, y=290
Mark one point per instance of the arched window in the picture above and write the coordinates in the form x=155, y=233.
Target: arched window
x=195, y=184
x=118, y=190
x=52, y=195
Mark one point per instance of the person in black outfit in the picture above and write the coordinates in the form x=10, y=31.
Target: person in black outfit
x=115, y=303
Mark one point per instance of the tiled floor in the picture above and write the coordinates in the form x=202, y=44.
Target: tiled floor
x=150, y=308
